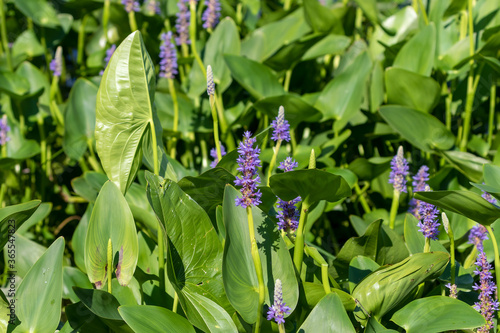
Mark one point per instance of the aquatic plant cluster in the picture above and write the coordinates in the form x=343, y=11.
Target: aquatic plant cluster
x=249, y=166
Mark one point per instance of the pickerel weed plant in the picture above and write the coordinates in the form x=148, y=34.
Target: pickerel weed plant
x=224, y=166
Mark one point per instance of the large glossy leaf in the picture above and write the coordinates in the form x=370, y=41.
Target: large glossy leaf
x=103, y=305
x=329, y=316
x=195, y=253
x=359, y=268
x=73, y=277
x=420, y=129
x=330, y=44
x=319, y=17
x=468, y=164
x=12, y=217
x=379, y=243
x=437, y=314
x=466, y=203
x=111, y=219
x=40, y=11
x=296, y=110
x=266, y=40
x=240, y=279
x=417, y=55
x=45, y=280
x=208, y=188
x=124, y=110
x=312, y=185
x=385, y=288
x=154, y=319
x=79, y=123
x=410, y=89
x=341, y=98
x=256, y=78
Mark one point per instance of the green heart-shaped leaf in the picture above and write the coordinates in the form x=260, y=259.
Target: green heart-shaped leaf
x=395, y=282
x=45, y=280
x=240, y=279
x=111, y=219
x=139, y=318
x=466, y=203
x=312, y=185
x=12, y=217
x=437, y=314
x=124, y=110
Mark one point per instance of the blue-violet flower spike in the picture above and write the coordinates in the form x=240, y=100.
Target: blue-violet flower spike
x=182, y=23
x=419, y=183
x=453, y=290
x=281, y=126
x=153, y=7
x=4, y=130
x=288, y=215
x=56, y=63
x=109, y=53
x=211, y=15
x=487, y=304
x=248, y=162
x=131, y=5
x=213, y=153
x=488, y=197
x=477, y=235
x=210, y=81
x=399, y=171
x=168, y=56
x=428, y=219
x=279, y=308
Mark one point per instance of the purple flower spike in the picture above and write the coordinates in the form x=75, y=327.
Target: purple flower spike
x=4, y=130
x=211, y=15
x=56, y=63
x=487, y=304
x=131, y=5
x=419, y=183
x=213, y=153
x=210, y=81
x=488, y=197
x=288, y=216
x=168, y=57
x=153, y=7
x=279, y=308
x=400, y=170
x=109, y=53
x=281, y=126
x=288, y=164
x=477, y=235
x=248, y=162
x=453, y=290
x=428, y=223
x=182, y=23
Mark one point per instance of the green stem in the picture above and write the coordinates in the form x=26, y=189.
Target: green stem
x=173, y=143
x=258, y=268
x=5, y=41
x=176, y=302
x=471, y=258
x=495, y=250
x=491, y=118
x=362, y=199
x=287, y=5
x=132, y=21
x=110, y=264
x=93, y=159
x=427, y=245
x=105, y=19
x=48, y=57
x=470, y=82
x=394, y=209
x=81, y=43
x=288, y=76
x=452, y=253
x=281, y=328
x=43, y=154
x=273, y=161
x=324, y=278
x=358, y=23
x=298, y=254
x=449, y=100
x=424, y=13
x=192, y=36
x=292, y=140
x=3, y=190
x=228, y=137
x=216, y=127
